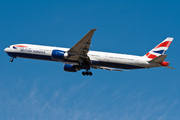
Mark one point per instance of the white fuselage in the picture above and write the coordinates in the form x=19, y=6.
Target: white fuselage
x=103, y=59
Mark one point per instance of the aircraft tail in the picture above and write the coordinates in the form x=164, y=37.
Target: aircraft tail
x=159, y=49
x=160, y=59
x=157, y=54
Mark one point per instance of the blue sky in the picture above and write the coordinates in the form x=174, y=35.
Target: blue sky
x=33, y=89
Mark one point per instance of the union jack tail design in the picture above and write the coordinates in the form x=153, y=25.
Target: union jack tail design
x=159, y=49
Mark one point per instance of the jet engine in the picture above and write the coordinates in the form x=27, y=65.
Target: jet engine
x=59, y=55
x=71, y=68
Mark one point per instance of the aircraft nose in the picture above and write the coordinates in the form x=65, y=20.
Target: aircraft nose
x=5, y=50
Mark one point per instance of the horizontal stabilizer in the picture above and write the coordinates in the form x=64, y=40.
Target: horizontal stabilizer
x=168, y=67
x=159, y=59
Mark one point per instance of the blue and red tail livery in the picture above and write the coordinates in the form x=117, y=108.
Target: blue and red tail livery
x=159, y=49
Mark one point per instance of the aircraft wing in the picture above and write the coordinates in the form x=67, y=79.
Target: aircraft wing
x=81, y=48
x=110, y=69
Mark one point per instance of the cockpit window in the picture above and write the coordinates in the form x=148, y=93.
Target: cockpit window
x=8, y=46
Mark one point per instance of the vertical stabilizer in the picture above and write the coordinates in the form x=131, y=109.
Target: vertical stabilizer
x=159, y=49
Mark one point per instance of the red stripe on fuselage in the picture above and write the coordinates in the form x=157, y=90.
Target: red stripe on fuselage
x=19, y=46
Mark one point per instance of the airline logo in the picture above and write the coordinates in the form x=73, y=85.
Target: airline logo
x=159, y=49
x=16, y=46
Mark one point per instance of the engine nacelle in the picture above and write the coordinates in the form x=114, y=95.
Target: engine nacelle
x=164, y=63
x=70, y=68
x=58, y=54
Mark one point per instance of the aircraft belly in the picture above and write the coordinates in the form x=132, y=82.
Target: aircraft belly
x=115, y=65
x=32, y=56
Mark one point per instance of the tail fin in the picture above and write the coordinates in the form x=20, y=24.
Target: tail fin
x=159, y=49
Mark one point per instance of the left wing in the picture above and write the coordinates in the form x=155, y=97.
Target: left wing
x=82, y=47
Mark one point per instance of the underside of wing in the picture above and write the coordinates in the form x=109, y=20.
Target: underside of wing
x=110, y=69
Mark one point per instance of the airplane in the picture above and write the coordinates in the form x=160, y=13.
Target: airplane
x=80, y=57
